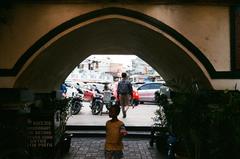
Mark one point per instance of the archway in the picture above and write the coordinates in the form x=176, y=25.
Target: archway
x=113, y=34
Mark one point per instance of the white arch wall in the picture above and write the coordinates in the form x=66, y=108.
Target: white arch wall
x=207, y=27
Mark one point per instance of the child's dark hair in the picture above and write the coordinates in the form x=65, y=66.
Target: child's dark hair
x=117, y=108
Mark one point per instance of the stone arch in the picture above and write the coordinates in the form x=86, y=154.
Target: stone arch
x=111, y=31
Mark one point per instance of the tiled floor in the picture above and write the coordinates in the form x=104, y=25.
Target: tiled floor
x=93, y=148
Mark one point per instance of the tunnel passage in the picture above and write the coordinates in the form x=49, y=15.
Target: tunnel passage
x=109, y=36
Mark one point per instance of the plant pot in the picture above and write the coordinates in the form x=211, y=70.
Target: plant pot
x=161, y=144
x=66, y=143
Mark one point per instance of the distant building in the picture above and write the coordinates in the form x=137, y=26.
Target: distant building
x=102, y=69
x=95, y=69
x=140, y=67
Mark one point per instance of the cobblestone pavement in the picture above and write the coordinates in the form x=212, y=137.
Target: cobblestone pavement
x=93, y=148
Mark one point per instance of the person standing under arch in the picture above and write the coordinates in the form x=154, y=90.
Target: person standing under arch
x=124, y=93
x=115, y=131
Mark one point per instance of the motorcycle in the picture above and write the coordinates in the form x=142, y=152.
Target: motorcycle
x=99, y=100
x=75, y=104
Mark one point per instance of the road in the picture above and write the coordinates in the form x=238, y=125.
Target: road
x=140, y=115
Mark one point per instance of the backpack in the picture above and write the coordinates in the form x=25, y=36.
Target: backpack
x=124, y=87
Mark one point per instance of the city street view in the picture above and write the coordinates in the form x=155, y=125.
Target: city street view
x=97, y=71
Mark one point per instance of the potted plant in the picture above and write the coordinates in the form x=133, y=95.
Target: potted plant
x=206, y=121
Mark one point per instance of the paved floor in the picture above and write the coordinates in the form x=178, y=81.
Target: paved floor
x=93, y=148
x=140, y=115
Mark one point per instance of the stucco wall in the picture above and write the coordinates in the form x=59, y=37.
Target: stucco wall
x=207, y=27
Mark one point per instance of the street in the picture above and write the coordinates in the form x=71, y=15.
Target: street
x=140, y=115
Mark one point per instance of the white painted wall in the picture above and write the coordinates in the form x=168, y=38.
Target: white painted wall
x=207, y=27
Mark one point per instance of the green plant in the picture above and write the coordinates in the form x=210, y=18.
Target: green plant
x=207, y=121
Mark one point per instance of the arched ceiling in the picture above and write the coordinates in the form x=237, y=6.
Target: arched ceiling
x=109, y=36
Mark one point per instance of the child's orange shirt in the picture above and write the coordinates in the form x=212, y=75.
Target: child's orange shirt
x=113, y=135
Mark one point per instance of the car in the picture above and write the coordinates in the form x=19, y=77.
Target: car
x=137, y=84
x=147, y=91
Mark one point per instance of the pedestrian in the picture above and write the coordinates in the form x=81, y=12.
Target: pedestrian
x=78, y=88
x=124, y=93
x=115, y=130
x=63, y=89
x=106, y=87
x=106, y=94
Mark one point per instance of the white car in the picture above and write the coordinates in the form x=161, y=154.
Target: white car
x=147, y=91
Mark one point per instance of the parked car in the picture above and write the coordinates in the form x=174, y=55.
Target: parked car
x=137, y=84
x=147, y=91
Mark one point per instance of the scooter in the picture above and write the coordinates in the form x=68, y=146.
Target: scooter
x=99, y=100
x=76, y=104
x=97, y=104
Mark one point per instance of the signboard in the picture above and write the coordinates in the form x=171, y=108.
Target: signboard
x=40, y=134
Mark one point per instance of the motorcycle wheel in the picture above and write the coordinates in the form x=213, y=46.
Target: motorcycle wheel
x=96, y=108
x=76, y=107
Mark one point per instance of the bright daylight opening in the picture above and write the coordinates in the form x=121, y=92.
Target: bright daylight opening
x=97, y=72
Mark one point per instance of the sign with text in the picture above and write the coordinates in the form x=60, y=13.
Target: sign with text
x=40, y=134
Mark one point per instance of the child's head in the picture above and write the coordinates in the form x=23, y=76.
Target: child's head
x=114, y=111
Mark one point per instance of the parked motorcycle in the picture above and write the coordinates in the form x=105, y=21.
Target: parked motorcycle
x=76, y=104
x=101, y=100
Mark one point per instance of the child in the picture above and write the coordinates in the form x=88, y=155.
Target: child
x=115, y=130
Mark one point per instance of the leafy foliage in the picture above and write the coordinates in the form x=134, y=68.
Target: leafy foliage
x=207, y=121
